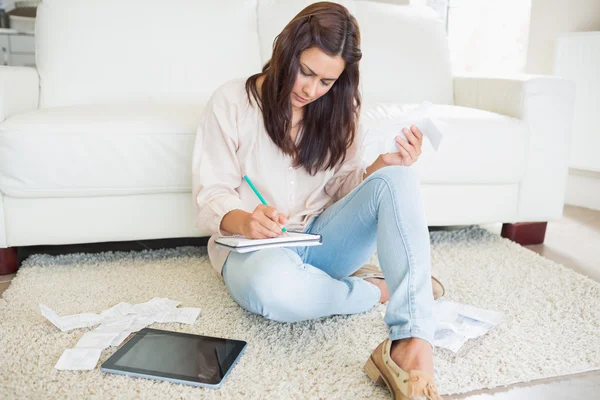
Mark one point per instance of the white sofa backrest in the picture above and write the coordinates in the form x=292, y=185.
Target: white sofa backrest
x=119, y=52
x=150, y=51
x=406, y=58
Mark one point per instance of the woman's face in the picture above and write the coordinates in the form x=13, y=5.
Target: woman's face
x=316, y=75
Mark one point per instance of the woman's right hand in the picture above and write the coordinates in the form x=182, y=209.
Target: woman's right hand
x=264, y=222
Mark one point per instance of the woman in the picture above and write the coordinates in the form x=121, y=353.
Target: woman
x=293, y=130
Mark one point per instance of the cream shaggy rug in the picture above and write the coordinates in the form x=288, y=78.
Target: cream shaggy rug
x=551, y=325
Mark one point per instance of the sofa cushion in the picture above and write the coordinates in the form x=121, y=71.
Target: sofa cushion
x=406, y=57
x=477, y=146
x=110, y=150
x=119, y=52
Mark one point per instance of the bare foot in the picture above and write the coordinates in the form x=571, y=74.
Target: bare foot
x=413, y=353
x=382, y=285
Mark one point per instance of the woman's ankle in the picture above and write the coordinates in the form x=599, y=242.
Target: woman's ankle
x=382, y=285
x=413, y=353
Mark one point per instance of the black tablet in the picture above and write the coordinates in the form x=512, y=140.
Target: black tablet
x=176, y=357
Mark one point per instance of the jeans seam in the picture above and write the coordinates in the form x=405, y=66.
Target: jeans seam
x=408, y=252
x=407, y=248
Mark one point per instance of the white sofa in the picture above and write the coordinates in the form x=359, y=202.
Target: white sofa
x=95, y=145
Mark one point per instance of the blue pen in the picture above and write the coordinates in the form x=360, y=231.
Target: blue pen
x=262, y=199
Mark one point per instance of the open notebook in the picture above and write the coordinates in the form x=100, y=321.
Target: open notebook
x=241, y=244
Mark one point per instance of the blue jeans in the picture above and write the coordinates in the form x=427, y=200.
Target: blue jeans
x=383, y=213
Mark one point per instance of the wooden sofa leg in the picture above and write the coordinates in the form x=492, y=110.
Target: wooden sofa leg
x=8, y=261
x=525, y=233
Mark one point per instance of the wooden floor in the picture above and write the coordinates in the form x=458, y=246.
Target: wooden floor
x=573, y=241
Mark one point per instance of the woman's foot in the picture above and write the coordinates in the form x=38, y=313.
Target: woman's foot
x=405, y=367
x=413, y=353
x=382, y=285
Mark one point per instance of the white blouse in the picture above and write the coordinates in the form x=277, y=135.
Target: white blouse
x=232, y=142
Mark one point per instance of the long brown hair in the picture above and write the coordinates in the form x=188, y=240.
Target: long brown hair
x=329, y=124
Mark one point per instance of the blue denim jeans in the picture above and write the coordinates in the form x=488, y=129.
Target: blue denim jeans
x=383, y=213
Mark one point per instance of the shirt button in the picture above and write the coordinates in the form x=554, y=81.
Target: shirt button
x=292, y=183
x=290, y=168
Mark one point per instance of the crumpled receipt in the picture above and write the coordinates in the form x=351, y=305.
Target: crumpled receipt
x=457, y=323
x=115, y=325
x=384, y=123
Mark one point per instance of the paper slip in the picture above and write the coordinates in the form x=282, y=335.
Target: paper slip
x=457, y=323
x=96, y=340
x=118, y=311
x=78, y=359
x=141, y=321
x=120, y=338
x=116, y=324
x=383, y=125
x=182, y=315
x=72, y=321
x=154, y=306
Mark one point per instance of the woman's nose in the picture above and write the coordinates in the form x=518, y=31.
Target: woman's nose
x=310, y=89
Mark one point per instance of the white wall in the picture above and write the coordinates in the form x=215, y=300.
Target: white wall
x=551, y=17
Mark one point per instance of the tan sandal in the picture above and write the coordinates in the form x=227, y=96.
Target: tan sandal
x=372, y=271
x=438, y=289
x=403, y=385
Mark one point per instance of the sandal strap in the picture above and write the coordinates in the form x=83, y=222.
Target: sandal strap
x=368, y=271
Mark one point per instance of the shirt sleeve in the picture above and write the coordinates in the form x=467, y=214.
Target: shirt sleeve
x=350, y=172
x=216, y=171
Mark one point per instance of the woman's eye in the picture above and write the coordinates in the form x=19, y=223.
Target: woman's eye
x=305, y=74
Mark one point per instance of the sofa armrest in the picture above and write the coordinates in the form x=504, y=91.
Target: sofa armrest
x=546, y=104
x=19, y=90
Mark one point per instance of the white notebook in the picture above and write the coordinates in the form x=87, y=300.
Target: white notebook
x=241, y=244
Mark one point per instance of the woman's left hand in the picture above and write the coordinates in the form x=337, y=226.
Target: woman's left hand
x=409, y=150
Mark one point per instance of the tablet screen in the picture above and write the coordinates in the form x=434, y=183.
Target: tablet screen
x=178, y=356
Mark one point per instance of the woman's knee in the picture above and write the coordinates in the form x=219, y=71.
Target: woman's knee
x=396, y=172
x=267, y=286
x=396, y=176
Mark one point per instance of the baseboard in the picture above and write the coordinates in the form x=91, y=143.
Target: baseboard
x=583, y=189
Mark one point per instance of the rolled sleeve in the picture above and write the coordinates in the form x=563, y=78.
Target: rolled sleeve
x=216, y=171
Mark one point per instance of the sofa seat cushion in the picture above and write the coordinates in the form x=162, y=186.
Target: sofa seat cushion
x=98, y=150
x=478, y=147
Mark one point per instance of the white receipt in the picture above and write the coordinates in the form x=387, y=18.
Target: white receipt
x=142, y=321
x=457, y=323
x=182, y=315
x=154, y=306
x=116, y=324
x=118, y=311
x=96, y=340
x=381, y=133
x=78, y=359
x=120, y=338
x=71, y=321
